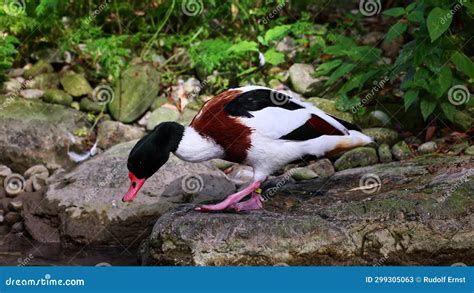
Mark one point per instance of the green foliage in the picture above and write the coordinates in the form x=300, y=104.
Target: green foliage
x=7, y=52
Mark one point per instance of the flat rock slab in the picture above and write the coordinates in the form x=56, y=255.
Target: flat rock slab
x=416, y=212
x=85, y=205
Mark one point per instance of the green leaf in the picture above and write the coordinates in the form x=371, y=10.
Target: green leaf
x=274, y=57
x=444, y=79
x=463, y=63
x=416, y=16
x=427, y=107
x=276, y=33
x=397, y=11
x=243, y=46
x=396, y=30
x=410, y=7
x=409, y=98
x=345, y=68
x=344, y=103
x=438, y=22
x=327, y=67
x=448, y=110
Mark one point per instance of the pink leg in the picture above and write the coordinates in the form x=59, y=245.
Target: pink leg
x=254, y=203
x=231, y=199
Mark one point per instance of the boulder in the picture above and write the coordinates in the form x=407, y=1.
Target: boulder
x=75, y=84
x=162, y=114
x=38, y=68
x=333, y=221
x=361, y=156
x=401, y=151
x=329, y=106
x=110, y=133
x=382, y=135
x=385, y=155
x=89, y=105
x=57, y=96
x=33, y=132
x=303, y=82
x=87, y=207
x=427, y=147
x=323, y=168
x=135, y=91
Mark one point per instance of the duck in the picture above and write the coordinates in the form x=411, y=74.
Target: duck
x=252, y=125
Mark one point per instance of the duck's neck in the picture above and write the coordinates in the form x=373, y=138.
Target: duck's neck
x=194, y=147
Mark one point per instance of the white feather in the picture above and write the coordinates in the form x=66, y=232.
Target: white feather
x=196, y=148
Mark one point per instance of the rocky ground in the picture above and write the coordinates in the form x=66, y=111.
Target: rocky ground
x=64, y=140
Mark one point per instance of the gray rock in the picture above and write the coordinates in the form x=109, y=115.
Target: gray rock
x=88, y=105
x=33, y=132
x=358, y=157
x=427, y=147
x=302, y=173
x=162, y=114
x=187, y=116
x=401, y=151
x=323, y=168
x=135, y=91
x=38, y=68
x=382, y=135
x=17, y=227
x=31, y=93
x=57, y=96
x=12, y=217
x=44, y=81
x=110, y=133
x=75, y=84
x=331, y=221
x=385, y=155
x=87, y=206
x=302, y=80
x=469, y=151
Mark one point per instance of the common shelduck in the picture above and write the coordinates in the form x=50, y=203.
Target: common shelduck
x=251, y=125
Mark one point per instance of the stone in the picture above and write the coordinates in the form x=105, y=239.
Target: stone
x=17, y=227
x=13, y=85
x=401, y=151
x=332, y=221
x=222, y=164
x=385, y=154
x=38, y=68
x=428, y=147
x=57, y=96
x=75, y=84
x=44, y=81
x=329, y=106
x=88, y=105
x=135, y=91
x=158, y=102
x=469, y=151
x=110, y=133
x=88, y=200
x=303, y=82
x=302, y=173
x=31, y=93
x=16, y=205
x=187, y=116
x=162, y=114
x=358, y=157
x=382, y=135
x=33, y=132
x=323, y=168
x=12, y=217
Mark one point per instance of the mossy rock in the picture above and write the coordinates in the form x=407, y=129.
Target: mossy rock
x=135, y=91
x=88, y=105
x=382, y=135
x=162, y=114
x=469, y=151
x=57, y=96
x=358, y=157
x=44, y=81
x=385, y=155
x=329, y=106
x=302, y=173
x=463, y=121
x=39, y=67
x=75, y=84
x=401, y=151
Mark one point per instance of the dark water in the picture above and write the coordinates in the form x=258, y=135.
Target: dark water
x=21, y=251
